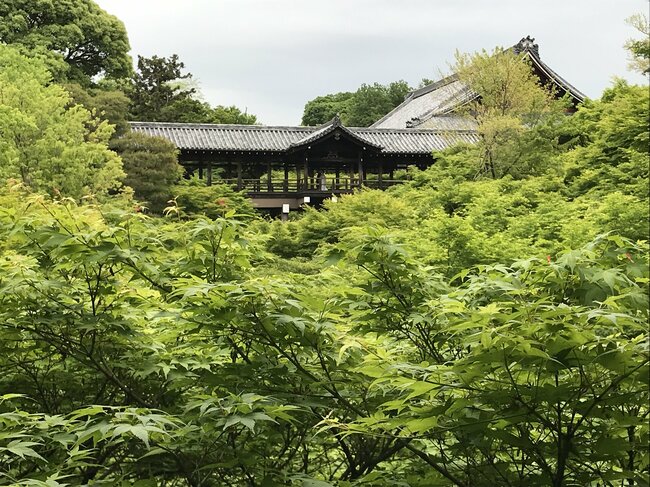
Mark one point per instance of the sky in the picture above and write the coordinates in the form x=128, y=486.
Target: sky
x=270, y=57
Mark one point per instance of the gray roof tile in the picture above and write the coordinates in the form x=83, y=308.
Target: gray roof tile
x=424, y=107
x=260, y=138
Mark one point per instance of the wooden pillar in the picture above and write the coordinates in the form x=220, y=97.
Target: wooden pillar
x=208, y=180
x=285, y=184
x=201, y=171
x=306, y=168
x=380, y=176
x=337, y=180
x=361, y=169
x=298, y=177
x=269, y=182
x=240, y=182
x=392, y=174
x=350, y=176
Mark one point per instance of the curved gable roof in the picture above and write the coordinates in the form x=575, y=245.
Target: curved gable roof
x=326, y=129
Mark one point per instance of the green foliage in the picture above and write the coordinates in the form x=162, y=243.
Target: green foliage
x=193, y=198
x=151, y=166
x=515, y=363
x=359, y=109
x=340, y=220
x=322, y=109
x=371, y=102
x=453, y=330
x=612, y=154
x=152, y=350
x=639, y=48
x=104, y=102
x=44, y=142
x=517, y=118
x=75, y=38
x=231, y=114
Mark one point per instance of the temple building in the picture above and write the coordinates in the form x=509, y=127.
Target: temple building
x=285, y=167
x=280, y=166
x=436, y=105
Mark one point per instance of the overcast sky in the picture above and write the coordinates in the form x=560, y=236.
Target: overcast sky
x=272, y=56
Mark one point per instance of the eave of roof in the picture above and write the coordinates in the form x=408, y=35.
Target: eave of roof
x=556, y=78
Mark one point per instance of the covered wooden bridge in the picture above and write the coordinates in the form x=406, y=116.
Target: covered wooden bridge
x=277, y=166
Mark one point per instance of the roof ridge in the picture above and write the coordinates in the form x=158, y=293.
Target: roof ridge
x=275, y=127
x=435, y=85
x=225, y=125
x=448, y=105
x=412, y=130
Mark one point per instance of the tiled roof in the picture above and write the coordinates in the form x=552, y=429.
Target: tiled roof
x=424, y=101
x=260, y=138
x=198, y=136
x=424, y=107
x=398, y=141
x=449, y=122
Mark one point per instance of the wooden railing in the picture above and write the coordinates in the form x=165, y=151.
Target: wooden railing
x=328, y=185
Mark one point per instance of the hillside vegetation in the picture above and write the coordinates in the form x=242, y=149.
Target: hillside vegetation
x=482, y=324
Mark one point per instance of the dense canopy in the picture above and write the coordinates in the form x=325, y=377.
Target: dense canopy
x=76, y=38
x=481, y=323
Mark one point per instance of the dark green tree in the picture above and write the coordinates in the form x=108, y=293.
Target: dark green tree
x=324, y=108
x=185, y=110
x=162, y=92
x=359, y=109
x=76, y=38
x=106, y=102
x=151, y=166
x=231, y=114
x=371, y=102
x=156, y=87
